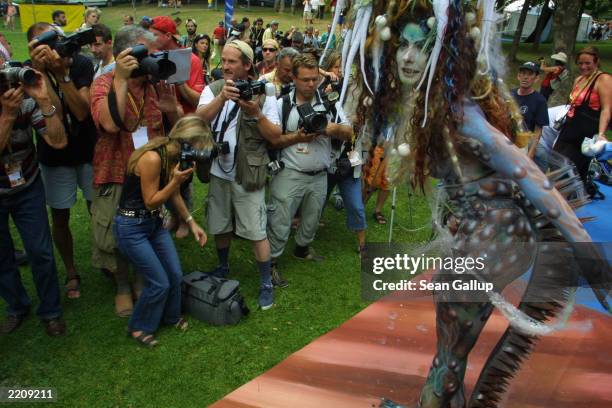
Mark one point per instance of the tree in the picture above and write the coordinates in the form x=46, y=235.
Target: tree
x=565, y=28
x=519, y=30
x=599, y=9
x=545, y=16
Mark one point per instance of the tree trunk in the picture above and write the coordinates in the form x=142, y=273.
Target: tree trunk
x=293, y=5
x=276, y=5
x=542, y=22
x=565, y=27
x=282, y=6
x=519, y=30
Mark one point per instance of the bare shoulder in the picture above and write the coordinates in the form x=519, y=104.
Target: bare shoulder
x=149, y=162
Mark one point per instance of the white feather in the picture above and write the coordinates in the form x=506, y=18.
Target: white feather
x=440, y=8
x=365, y=22
x=339, y=7
x=488, y=16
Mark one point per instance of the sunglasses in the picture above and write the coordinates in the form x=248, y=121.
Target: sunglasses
x=269, y=49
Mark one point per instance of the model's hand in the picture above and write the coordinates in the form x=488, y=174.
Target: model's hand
x=60, y=67
x=39, y=54
x=250, y=108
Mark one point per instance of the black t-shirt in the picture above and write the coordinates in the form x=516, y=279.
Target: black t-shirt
x=534, y=109
x=81, y=135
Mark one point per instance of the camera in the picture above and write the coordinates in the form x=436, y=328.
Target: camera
x=316, y=121
x=336, y=86
x=189, y=154
x=14, y=73
x=274, y=167
x=286, y=89
x=157, y=65
x=248, y=89
x=69, y=45
x=279, y=36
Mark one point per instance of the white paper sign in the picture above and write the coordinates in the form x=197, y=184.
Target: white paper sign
x=182, y=60
x=140, y=137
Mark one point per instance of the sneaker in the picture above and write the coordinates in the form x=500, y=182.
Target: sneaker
x=220, y=272
x=338, y=203
x=277, y=279
x=266, y=297
x=310, y=256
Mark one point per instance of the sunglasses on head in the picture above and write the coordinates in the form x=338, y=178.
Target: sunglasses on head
x=269, y=49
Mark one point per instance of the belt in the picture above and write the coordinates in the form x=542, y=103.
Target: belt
x=138, y=213
x=311, y=173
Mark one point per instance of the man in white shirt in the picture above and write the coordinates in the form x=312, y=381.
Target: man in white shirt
x=236, y=195
x=102, y=50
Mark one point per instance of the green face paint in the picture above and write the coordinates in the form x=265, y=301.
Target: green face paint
x=412, y=33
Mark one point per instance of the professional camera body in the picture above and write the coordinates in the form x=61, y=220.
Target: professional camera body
x=279, y=36
x=286, y=89
x=69, y=45
x=189, y=154
x=14, y=73
x=316, y=121
x=336, y=86
x=249, y=89
x=157, y=65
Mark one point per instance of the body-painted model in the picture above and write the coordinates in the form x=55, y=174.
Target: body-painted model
x=425, y=66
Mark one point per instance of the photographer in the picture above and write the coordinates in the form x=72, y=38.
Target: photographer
x=282, y=77
x=22, y=197
x=68, y=80
x=128, y=111
x=102, y=50
x=306, y=157
x=270, y=33
x=154, y=176
x=238, y=178
x=167, y=38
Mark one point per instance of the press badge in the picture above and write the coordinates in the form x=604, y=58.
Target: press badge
x=15, y=174
x=354, y=158
x=140, y=137
x=302, y=148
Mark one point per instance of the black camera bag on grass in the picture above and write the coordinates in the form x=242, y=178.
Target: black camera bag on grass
x=213, y=300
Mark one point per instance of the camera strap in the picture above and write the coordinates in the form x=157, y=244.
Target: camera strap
x=287, y=106
x=228, y=119
x=114, y=111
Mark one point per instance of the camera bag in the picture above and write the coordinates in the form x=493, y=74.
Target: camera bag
x=213, y=300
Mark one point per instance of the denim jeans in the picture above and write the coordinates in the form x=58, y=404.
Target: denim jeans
x=150, y=249
x=29, y=213
x=350, y=190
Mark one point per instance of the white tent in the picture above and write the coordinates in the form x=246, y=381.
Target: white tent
x=512, y=14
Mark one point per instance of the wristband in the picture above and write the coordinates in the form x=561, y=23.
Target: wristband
x=189, y=219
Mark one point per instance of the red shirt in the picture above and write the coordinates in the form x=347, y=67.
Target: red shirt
x=195, y=82
x=113, y=150
x=218, y=33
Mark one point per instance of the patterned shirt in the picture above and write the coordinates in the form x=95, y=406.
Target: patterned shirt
x=113, y=150
x=21, y=144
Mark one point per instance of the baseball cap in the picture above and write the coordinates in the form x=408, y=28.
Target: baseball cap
x=242, y=47
x=531, y=66
x=274, y=22
x=270, y=43
x=165, y=24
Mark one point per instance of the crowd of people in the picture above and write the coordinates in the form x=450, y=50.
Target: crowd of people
x=103, y=127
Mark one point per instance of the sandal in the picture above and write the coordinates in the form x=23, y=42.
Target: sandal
x=182, y=324
x=73, y=291
x=380, y=219
x=144, y=339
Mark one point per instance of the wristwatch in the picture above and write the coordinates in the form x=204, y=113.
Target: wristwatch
x=50, y=113
x=66, y=79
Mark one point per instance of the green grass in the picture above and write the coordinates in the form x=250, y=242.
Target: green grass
x=96, y=365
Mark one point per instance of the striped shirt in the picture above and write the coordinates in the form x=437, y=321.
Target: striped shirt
x=20, y=147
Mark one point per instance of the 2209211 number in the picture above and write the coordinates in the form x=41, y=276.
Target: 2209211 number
x=12, y=394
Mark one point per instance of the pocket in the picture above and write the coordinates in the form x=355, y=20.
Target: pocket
x=252, y=170
x=102, y=232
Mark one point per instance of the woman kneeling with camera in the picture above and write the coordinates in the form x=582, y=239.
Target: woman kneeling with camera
x=154, y=176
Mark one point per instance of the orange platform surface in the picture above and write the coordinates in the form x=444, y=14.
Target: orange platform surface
x=386, y=351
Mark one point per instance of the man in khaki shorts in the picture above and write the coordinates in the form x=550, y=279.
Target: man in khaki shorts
x=236, y=195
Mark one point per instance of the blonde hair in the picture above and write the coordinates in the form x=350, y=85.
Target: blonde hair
x=189, y=129
x=91, y=10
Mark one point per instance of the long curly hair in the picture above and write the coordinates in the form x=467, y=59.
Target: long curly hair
x=455, y=79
